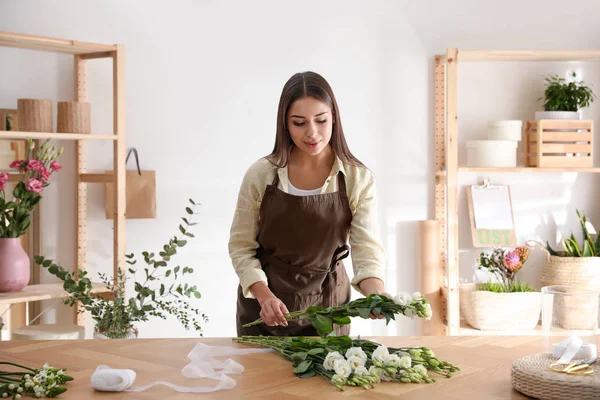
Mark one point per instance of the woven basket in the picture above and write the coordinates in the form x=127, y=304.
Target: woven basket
x=532, y=376
x=571, y=271
x=499, y=311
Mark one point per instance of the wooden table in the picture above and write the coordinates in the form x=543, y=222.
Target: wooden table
x=485, y=364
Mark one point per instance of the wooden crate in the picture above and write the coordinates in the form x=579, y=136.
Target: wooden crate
x=559, y=143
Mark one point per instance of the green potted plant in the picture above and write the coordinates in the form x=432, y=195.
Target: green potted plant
x=564, y=99
x=158, y=294
x=496, y=300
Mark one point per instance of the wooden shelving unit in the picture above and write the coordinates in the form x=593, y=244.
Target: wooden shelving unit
x=447, y=166
x=82, y=52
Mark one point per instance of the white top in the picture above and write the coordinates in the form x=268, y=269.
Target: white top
x=301, y=192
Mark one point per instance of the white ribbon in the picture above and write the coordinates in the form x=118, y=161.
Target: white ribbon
x=573, y=348
x=202, y=365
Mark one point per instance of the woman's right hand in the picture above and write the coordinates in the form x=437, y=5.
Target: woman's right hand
x=273, y=311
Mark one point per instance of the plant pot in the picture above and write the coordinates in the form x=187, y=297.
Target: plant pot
x=14, y=265
x=571, y=307
x=571, y=271
x=491, y=153
x=571, y=115
x=131, y=334
x=485, y=310
x=505, y=130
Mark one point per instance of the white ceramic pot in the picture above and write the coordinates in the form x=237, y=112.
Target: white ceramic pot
x=505, y=130
x=492, y=153
x=571, y=115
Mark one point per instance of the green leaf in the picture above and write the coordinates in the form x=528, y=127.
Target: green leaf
x=364, y=312
x=53, y=269
x=131, y=271
x=168, y=273
x=323, y=324
x=182, y=243
x=197, y=295
x=162, y=289
x=176, y=270
x=587, y=250
x=182, y=229
x=47, y=263
x=308, y=374
x=341, y=320
x=298, y=357
x=316, y=350
x=189, y=234
x=160, y=264
x=303, y=367
x=192, y=201
x=189, y=210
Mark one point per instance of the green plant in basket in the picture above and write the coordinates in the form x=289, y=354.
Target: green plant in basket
x=158, y=294
x=589, y=247
x=561, y=95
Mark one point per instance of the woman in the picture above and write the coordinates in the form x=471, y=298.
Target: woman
x=296, y=210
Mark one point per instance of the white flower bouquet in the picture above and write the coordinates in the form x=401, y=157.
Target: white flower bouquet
x=344, y=361
x=409, y=305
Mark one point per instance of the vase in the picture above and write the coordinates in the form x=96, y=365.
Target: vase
x=14, y=265
x=131, y=334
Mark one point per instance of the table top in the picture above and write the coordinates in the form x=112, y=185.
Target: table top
x=485, y=364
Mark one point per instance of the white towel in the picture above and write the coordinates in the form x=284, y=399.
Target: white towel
x=202, y=365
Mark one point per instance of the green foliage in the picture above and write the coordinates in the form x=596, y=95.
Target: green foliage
x=155, y=296
x=505, y=287
x=589, y=248
x=561, y=95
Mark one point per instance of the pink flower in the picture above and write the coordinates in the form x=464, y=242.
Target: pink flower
x=512, y=261
x=54, y=166
x=3, y=180
x=44, y=174
x=34, y=185
x=35, y=165
x=15, y=164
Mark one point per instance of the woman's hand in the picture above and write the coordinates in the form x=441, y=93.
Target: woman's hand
x=371, y=286
x=273, y=311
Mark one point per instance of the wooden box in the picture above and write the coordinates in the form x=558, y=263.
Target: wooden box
x=559, y=143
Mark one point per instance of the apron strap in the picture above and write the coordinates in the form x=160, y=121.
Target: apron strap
x=338, y=255
x=342, y=184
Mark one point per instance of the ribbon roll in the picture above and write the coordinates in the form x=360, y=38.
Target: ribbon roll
x=202, y=365
x=573, y=348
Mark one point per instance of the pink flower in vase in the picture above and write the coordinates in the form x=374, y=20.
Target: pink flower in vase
x=512, y=260
x=34, y=185
x=3, y=180
x=54, y=166
x=17, y=164
x=35, y=165
x=44, y=174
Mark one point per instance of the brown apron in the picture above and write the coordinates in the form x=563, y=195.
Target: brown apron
x=302, y=240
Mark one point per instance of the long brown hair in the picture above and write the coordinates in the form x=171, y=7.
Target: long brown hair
x=308, y=84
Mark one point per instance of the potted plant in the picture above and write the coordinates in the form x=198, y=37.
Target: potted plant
x=575, y=267
x=564, y=100
x=157, y=294
x=15, y=213
x=496, y=301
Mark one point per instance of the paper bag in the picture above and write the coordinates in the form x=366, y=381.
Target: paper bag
x=140, y=193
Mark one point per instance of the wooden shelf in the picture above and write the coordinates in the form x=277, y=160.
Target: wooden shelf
x=43, y=291
x=528, y=169
x=468, y=330
x=525, y=55
x=107, y=177
x=32, y=42
x=55, y=136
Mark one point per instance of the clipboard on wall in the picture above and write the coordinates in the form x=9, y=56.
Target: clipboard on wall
x=491, y=215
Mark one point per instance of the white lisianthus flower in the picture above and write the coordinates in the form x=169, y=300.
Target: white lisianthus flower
x=415, y=352
x=405, y=362
x=330, y=359
x=410, y=313
x=380, y=354
x=356, y=351
x=355, y=362
x=342, y=368
x=392, y=360
x=361, y=371
x=417, y=296
x=338, y=381
x=428, y=313
x=403, y=299
x=402, y=354
x=420, y=369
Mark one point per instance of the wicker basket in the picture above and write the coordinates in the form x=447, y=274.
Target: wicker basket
x=571, y=271
x=499, y=311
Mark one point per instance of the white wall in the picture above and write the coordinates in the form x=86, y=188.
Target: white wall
x=203, y=81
